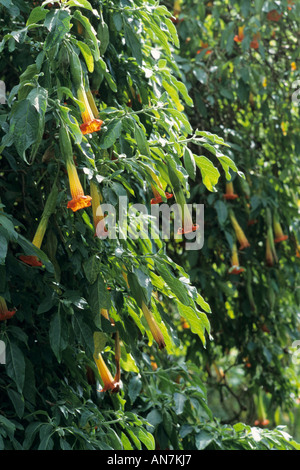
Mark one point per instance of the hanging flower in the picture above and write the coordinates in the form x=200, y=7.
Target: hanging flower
x=291, y=3
x=98, y=216
x=254, y=44
x=79, y=200
x=154, y=328
x=157, y=197
x=235, y=267
x=241, y=237
x=5, y=314
x=184, y=324
x=240, y=36
x=117, y=378
x=252, y=222
x=279, y=235
x=271, y=256
x=293, y=66
x=187, y=222
x=49, y=208
x=90, y=123
x=229, y=195
x=273, y=15
x=31, y=260
x=204, y=47
x=109, y=383
x=153, y=363
x=261, y=418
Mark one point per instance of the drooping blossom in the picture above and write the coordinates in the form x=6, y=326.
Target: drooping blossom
x=230, y=195
x=79, y=199
x=240, y=36
x=5, y=314
x=109, y=383
x=240, y=235
x=235, y=265
x=90, y=122
x=50, y=205
x=279, y=235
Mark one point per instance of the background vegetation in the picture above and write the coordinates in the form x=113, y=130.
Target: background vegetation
x=137, y=343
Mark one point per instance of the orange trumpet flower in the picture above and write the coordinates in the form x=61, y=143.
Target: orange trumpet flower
x=279, y=235
x=271, y=256
x=79, y=200
x=235, y=267
x=273, y=15
x=90, y=122
x=240, y=36
x=5, y=314
x=98, y=215
x=33, y=260
x=157, y=197
x=229, y=195
x=109, y=383
x=254, y=44
x=238, y=232
x=154, y=328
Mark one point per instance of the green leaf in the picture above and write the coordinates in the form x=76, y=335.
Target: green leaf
x=24, y=125
x=80, y=3
x=3, y=248
x=141, y=139
x=36, y=15
x=57, y=22
x=203, y=439
x=177, y=287
x=198, y=321
x=17, y=401
x=58, y=335
x=146, y=438
x=189, y=163
x=222, y=211
x=87, y=54
x=90, y=32
x=92, y=268
x=134, y=388
x=15, y=365
x=210, y=174
x=83, y=331
x=99, y=296
x=111, y=133
x=132, y=40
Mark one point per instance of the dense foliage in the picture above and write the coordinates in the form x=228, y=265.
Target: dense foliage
x=110, y=102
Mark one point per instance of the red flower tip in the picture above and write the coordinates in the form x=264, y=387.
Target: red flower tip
x=114, y=387
x=31, y=260
x=158, y=199
x=281, y=238
x=244, y=244
x=229, y=197
x=273, y=15
x=79, y=202
x=263, y=422
x=183, y=230
x=91, y=126
x=236, y=270
x=6, y=315
x=252, y=222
